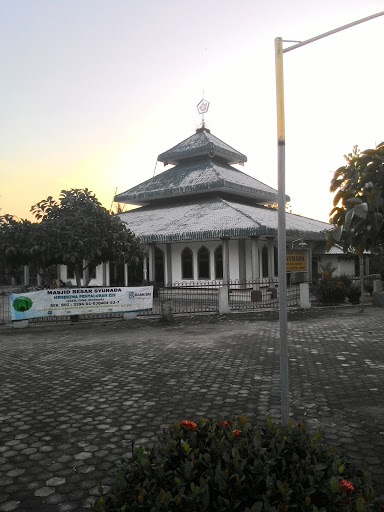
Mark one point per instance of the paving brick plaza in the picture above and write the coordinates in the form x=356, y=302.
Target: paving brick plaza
x=74, y=397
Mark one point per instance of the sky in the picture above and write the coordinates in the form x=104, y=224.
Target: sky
x=92, y=91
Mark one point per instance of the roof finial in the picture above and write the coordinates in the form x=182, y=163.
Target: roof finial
x=202, y=108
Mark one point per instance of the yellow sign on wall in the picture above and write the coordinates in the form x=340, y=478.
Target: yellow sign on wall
x=296, y=261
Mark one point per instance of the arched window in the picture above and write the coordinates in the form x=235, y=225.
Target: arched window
x=203, y=263
x=264, y=261
x=187, y=263
x=219, y=262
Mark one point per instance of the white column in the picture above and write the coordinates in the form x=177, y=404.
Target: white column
x=152, y=262
x=145, y=268
x=168, y=264
x=26, y=275
x=255, y=261
x=271, y=258
x=107, y=274
x=125, y=274
x=242, y=263
x=309, y=263
x=226, y=276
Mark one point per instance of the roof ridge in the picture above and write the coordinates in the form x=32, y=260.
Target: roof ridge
x=239, y=211
x=213, y=167
x=223, y=142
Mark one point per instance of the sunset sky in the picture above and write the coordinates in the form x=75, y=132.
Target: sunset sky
x=92, y=91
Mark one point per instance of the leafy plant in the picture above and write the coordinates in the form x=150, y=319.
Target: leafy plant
x=358, y=213
x=235, y=465
x=73, y=230
x=327, y=270
x=331, y=291
x=354, y=294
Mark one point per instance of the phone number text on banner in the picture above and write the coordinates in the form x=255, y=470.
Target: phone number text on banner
x=80, y=301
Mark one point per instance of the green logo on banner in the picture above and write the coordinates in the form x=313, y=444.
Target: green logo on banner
x=22, y=304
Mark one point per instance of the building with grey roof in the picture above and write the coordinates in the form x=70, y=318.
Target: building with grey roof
x=204, y=220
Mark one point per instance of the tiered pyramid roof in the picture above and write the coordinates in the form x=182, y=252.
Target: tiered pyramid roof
x=204, y=197
x=202, y=164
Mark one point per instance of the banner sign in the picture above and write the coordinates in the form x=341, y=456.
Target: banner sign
x=296, y=261
x=80, y=301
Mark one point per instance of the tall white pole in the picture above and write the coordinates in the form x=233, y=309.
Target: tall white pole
x=282, y=264
x=281, y=232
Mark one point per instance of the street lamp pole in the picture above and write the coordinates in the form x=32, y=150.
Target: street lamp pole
x=281, y=232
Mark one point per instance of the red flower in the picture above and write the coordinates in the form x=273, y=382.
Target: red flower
x=346, y=485
x=237, y=432
x=224, y=422
x=190, y=425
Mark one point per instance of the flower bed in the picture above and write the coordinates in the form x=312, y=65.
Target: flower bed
x=235, y=465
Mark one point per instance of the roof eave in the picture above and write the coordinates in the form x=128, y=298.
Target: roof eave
x=210, y=149
x=141, y=198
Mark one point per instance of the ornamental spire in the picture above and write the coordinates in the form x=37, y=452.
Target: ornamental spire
x=202, y=108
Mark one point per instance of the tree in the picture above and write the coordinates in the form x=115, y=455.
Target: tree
x=15, y=237
x=76, y=229
x=358, y=213
x=27, y=243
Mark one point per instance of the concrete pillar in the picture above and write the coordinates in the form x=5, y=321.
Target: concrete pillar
x=242, y=261
x=223, y=300
x=255, y=261
x=271, y=257
x=151, y=256
x=145, y=268
x=226, y=276
x=20, y=324
x=107, y=274
x=104, y=274
x=305, y=303
x=125, y=274
x=309, y=263
x=168, y=265
x=26, y=275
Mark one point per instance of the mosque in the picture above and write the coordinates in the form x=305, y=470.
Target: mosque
x=205, y=220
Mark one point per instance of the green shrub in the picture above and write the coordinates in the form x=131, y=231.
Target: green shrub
x=354, y=294
x=331, y=291
x=236, y=465
x=368, y=287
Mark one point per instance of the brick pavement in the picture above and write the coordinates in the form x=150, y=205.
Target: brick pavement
x=74, y=397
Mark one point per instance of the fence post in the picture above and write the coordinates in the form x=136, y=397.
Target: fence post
x=378, y=294
x=305, y=303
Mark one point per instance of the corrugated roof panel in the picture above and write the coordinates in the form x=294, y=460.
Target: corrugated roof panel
x=201, y=143
x=197, y=176
x=214, y=218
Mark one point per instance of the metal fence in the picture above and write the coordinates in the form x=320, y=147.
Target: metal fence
x=203, y=296
x=260, y=294
x=5, y=311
